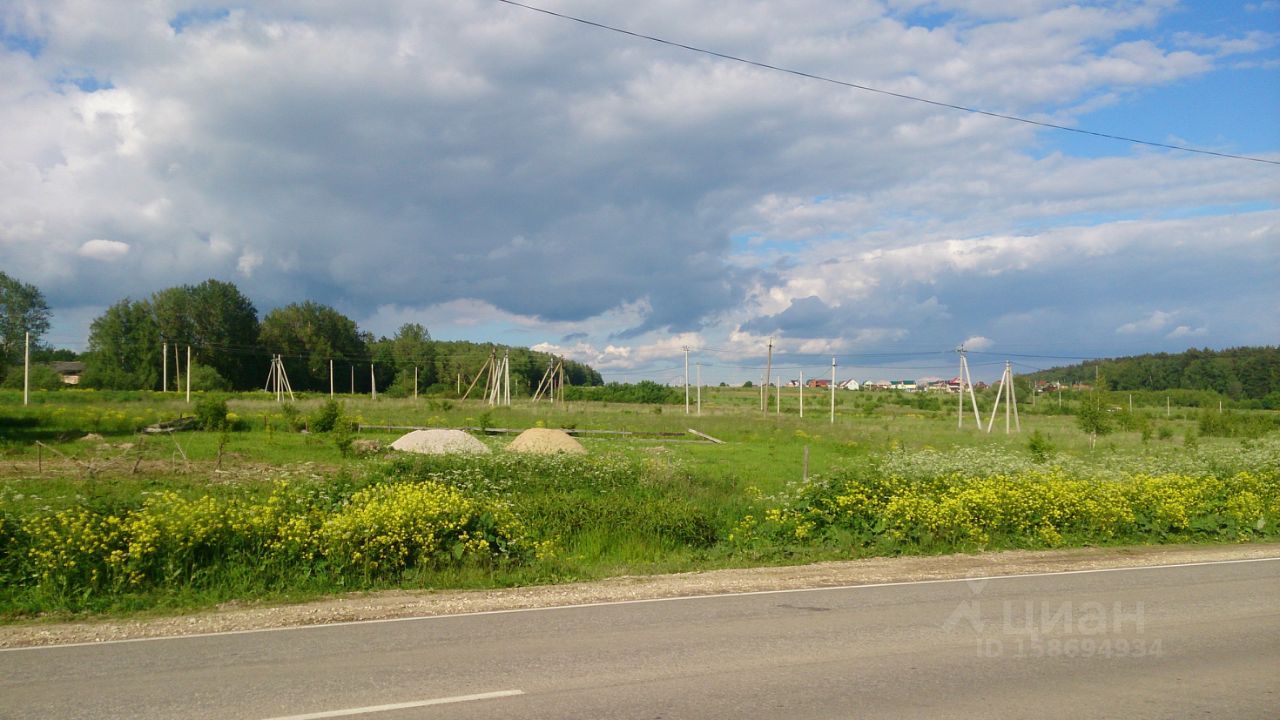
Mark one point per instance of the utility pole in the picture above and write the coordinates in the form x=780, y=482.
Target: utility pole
x=1006, y=391
x=966, y=382
x=330, y=377
x=164, y=368
x=768, y=371
x=26, y=369
x=353, y=378
x=373, y=384
x=699, y=377
x=188, y=374
x=415, y=382
x=686, y=379
x=777, y=397
x=833, y=390
x=801, y=393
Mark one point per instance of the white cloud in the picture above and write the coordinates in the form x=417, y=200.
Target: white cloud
x=1187, y=331
x=105, y=250
x=1154, y=322
x=247, y=263
x=581, y=185
x=976, y=343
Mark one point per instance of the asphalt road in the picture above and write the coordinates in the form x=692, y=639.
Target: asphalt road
x=1168, y=642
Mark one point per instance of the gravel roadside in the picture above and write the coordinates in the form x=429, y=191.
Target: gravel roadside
x=403, y=604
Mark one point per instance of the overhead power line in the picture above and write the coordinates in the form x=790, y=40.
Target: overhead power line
x=890, y=93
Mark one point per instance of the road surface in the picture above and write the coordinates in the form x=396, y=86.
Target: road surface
x=1178, y=641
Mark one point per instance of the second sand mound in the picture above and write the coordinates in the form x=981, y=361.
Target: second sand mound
x=545, y=441
x=440, y=442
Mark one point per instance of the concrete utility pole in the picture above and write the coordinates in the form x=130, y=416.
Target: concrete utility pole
x=353, y=378
x=164, y=368
x=768, y=372
x=699, y=371
x=415, y=382
x=330, y=377
x=373, y=384
x=188, y=374
x=966, y=383
x=777, y=397
x=686, y=379
x=801, y=393
x=833, y=391
x=26, y=369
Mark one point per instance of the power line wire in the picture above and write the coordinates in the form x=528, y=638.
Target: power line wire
x=868, y=88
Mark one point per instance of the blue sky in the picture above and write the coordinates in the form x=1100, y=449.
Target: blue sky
x=497, y=174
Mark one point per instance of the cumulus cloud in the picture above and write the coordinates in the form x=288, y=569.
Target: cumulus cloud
x=1154, y=322
x=1187, y=331
x=106, y=250
x=605, y=195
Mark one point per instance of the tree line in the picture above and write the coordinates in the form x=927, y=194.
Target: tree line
x=134, y=342
x=1243, y=373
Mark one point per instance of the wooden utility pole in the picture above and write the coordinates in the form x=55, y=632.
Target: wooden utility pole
x=373, y=384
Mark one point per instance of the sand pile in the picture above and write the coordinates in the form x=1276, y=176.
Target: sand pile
x=545, y=441
x=440, y=442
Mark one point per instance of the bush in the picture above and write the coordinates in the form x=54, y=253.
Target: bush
x=206, y=379
x=1040, y=447
x=211, y=412
x=326, y=416
x=41, y=377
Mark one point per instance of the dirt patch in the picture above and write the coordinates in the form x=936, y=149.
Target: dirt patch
x=545, y=441
x=401, y=604
x=440, y=442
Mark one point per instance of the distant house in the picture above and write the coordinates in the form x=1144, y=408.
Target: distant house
x=69, y=370
x=818, y=383
x=903, y=385
x=849, y=384
x=876, y=385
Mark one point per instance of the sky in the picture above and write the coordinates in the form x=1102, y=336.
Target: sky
x=499, y=174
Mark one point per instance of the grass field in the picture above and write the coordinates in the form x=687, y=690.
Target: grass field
x=128, y=522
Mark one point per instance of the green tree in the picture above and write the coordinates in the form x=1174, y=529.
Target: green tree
x=42, y=377
x=22, y=310
x=124, y=348
x=219, y=322
x=309, y=335
x=1092, y=415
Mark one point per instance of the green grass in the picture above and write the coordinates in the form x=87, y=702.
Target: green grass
x=637, y=505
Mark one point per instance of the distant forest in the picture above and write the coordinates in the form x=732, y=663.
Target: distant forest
x=1243, y=373
x=142, y=344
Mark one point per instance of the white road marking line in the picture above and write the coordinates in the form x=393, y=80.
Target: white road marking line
x=608, y=603
x=401, y=706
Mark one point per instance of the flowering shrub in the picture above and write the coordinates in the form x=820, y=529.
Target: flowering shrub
x=981, y=498
x=377, y=532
